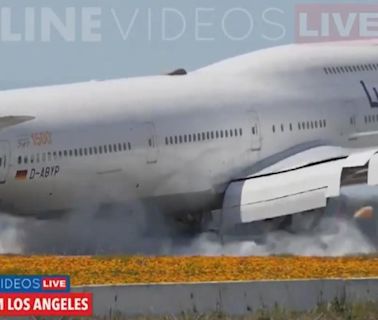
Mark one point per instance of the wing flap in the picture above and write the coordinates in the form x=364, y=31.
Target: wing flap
x=290, y=204
x=285, y=193
x=270, y=193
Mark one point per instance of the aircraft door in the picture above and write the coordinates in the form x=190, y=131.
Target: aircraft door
x=143, y=137
x=349, y=119
x=254, y=131
x=152, y=146
x=4, y=160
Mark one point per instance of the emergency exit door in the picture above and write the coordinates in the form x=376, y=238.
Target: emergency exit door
x=4, y=160
x=255, y=131
x=152, y=145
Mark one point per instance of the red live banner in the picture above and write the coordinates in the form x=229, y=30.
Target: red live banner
x=46, y=304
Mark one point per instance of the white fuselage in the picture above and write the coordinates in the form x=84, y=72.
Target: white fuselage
x=180, y=140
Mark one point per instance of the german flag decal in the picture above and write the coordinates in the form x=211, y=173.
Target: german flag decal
x=21, y=174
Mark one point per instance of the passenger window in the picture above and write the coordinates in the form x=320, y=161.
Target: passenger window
x=241, y=132
x=166, y=140
x=190, y=138
x=203, y=136
x=129, y=144
x=65, y=153
x=44, y=157
x=90, y=151
x=231, y=133
x=85, y=151
x=208, y=135
x=194, y=137
x=299, y=126
x=71, y=153
x=31, y=159
x=81, y=152
x=291, y=127
x=282, y=128
x=49, y=156
x=236, y=132
x=100, y=149
x=180, y=139
x=54, y=154
x=19, y=160
x=312, y=125
x=170, y=140
x=111, y=148
x=221, y=134
x=60, y=154
x=226, y=133
x=94, y=150
x=185, y=138
x=274, y=128
x=212, y=135
x=76, y=153
x=253, y=130
x=316, y=124
x=38, y=158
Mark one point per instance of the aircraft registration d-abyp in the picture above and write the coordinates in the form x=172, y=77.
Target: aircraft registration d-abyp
x=259, y=137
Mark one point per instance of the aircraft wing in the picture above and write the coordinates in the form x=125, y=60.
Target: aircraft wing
x=9, y=121
x=299, y=183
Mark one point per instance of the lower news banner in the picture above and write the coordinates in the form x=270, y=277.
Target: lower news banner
x=44, y=296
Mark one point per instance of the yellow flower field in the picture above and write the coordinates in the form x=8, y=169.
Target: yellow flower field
x=113, y=270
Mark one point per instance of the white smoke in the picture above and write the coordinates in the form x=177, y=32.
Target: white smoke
x=135, y=230
x=345, y=239
x=120, y=232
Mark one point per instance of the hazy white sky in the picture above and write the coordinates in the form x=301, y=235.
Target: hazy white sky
x=101, y=39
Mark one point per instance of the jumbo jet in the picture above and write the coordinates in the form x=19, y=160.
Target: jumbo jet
x=259, y=137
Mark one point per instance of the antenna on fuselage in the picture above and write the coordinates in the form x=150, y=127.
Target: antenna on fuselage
x=178, y=72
